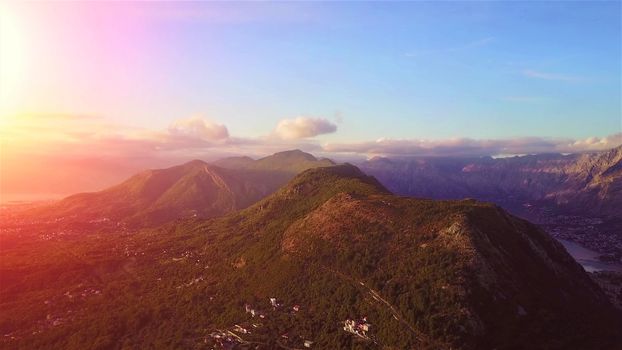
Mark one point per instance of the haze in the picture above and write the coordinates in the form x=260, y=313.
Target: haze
x=93, y=92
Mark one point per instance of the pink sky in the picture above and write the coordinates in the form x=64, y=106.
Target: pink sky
x=92, y=92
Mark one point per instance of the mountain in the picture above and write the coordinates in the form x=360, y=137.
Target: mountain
x=430, y=274
x=594, y=183
x=333, y=244
x=160, y=195
x=577, y=183
x=291, y=162
x=194, y=189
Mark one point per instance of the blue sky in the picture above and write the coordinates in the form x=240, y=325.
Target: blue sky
x=403, y=70
x=116, y=87
x=395, y=70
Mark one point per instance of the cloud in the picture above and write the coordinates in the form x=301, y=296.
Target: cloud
x=549, y=76
x=87, y=153
x=596, y=143
x=47, y=137
x=50, y=136
x=470, y=45
x=472, y=147
x=79, y=153
x=199, y=128
x=303, y=127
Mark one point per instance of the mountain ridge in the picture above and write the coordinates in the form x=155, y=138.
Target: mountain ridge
x=575, y=183
x=192, y=189
x=353, y=226
x=331, y=245
x=292, y=161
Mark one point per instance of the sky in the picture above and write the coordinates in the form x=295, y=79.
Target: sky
x=91, y=92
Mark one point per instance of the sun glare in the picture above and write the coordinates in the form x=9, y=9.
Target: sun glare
x=13, y=58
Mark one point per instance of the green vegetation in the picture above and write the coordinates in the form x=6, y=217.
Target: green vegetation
x=426, y=274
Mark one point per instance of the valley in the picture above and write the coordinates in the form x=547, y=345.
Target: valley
x=574, y=197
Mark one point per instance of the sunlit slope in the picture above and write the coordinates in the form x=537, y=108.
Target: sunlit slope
x=194, y=189
x=429, y=273
x=426, y=274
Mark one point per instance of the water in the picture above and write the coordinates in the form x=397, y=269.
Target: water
x=588, y=258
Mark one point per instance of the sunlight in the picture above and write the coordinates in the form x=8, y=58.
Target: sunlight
x=14, y=58
x=310, y=175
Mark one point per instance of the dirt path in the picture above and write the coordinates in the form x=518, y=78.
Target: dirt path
x=376, y=296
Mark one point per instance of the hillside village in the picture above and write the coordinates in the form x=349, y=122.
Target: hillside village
x=602, y=235
x=264, y=319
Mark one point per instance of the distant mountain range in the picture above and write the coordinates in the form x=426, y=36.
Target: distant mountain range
x=577, y=183
x=194, y=189
x=588, y=184
x=287, y=162
x=331, y=245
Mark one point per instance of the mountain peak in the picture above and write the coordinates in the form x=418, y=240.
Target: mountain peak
x=192, y=189
x=427, y=274
x=195, y=163
x=335, y=228
x=326, y=176
x=295, y=154
x=290, y=162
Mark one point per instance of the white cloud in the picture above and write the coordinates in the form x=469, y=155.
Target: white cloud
x=597, y=143
x=303, y=127
x=89, y=149
x=198, y=128
x=474, y=147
